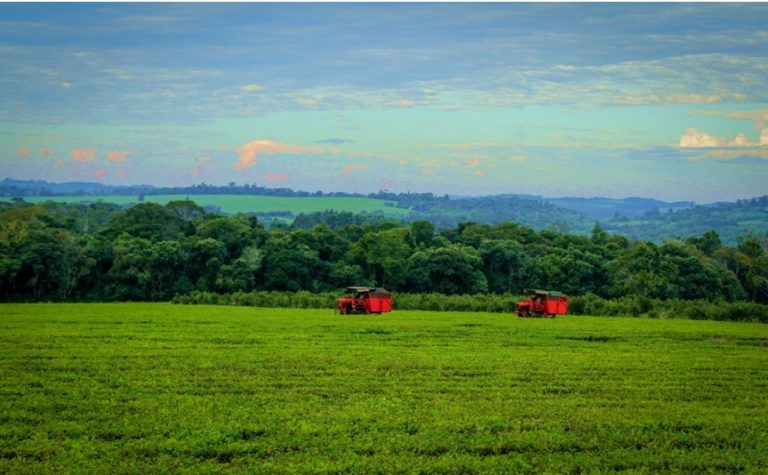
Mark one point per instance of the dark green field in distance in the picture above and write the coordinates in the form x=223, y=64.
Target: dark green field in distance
x=159, y=388
x=248, y=203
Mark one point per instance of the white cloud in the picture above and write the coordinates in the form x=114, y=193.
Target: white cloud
x=741, y=140
x=694, y=138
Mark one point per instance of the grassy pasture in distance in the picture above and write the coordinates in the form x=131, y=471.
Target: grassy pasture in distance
x=158, y=388
x=247, y=203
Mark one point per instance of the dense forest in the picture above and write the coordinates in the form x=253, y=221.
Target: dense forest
x=55, y=251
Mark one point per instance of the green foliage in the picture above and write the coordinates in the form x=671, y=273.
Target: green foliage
x=642, y=306
x=155, y=388
x=54, y=251
x=637, y=218
x=289, y=265
x=452, y=269
x=384, y=255
x=149, y=221
x=234, y=233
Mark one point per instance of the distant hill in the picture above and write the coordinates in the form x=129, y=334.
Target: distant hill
x=609, y=208
x=445, y=211
x=20, y=188
x=638, y=218
x=729, y=220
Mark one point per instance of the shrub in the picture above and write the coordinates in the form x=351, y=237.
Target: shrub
x=588, y=304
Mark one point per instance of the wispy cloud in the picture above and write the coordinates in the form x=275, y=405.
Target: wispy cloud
x=469, y=145
x=334, y=141
x=351, y=167
x=759, y=118
x=272, y=176
x=117, y=156
x=311, y=102
x=99, y=173
x=83, y=155
x=249, y=153
x=405, y=102
x=732, y=154
x=411, y=56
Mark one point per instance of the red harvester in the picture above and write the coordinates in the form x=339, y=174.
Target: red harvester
x=542, y=303
x=365, y=300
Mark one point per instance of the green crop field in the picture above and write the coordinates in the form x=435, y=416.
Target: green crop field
x=248, y=203
x=160, y=388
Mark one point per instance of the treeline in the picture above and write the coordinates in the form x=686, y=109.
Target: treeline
x=101, y=252
x=21, y=188
x=526, y=210
x=590, y=304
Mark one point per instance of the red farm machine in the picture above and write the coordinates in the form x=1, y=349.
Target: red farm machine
x=365, y=300
x=542, y=303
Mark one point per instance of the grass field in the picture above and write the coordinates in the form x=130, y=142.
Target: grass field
x=159, y=388
x=247, y=203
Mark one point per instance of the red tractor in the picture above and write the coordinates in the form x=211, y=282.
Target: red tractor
x=542, y=303
x=365, y=300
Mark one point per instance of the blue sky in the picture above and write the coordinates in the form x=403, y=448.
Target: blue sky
x=659, y=100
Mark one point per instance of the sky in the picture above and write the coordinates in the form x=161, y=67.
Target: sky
x=662, y=100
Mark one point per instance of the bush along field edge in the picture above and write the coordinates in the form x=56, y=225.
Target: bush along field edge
x=590, y=304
